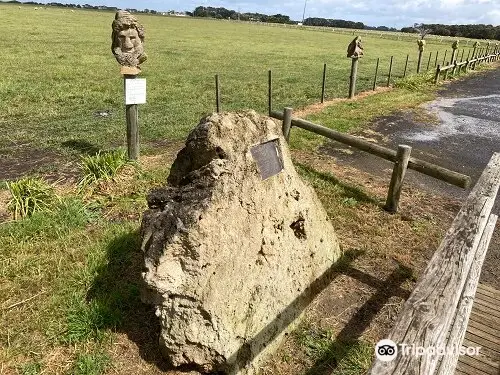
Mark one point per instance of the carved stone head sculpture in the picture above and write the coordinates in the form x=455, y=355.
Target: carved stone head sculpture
x=455, y=44
x=355, y=49
x=421, y=44
x=128, y=40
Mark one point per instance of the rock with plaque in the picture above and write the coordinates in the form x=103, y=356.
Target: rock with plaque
x=232, y=245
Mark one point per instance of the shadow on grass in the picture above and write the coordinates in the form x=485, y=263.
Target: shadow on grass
x=348, y=191
x=346, y=341
x=81, y=146
x=116, y=292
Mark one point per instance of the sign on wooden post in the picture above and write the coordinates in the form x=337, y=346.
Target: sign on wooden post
x=128, y=48
x=135, y=91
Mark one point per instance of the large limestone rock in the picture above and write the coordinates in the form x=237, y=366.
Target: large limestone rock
x=228, y=254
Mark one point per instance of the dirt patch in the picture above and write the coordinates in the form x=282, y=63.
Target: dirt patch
x=25, y=161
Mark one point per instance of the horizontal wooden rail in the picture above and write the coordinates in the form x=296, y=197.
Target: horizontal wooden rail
x=467, y=63
x=418, y=165
x=429, y=315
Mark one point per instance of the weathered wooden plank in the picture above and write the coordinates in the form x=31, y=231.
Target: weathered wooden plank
x=479, y=365
x=479, y=329
x=428, y=314
x=489, y=320
x=481, y=341
x=459, y=327
x=484, y=351
x=486, y=298
x=468, y=369
x=487, y=293
x=485, y=306
x=489, y=289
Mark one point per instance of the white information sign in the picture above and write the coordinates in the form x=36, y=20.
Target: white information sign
x=135, y=91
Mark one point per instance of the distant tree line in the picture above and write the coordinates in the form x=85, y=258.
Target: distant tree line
x=325, y=22
x=464, y=31
x=64, y=5
x=223, y=13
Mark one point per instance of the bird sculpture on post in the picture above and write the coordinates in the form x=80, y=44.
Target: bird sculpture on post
x=354, y=51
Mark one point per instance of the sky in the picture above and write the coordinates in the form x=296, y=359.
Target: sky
x=391, y=13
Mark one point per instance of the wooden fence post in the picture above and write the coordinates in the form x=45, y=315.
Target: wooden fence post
x=217, y=93
x=132, y=118
x=438, y=72
x=429, y=62
x=390, y=72
x=462, y=57
x=287, y=123
x=270, y=91
x=435, y=62
x=398, y=175
x=353, y=77
x=406, y=64
x=323, y=85
x=376, y=73
x=419, y=61
x=446, y=72
x=445, y=53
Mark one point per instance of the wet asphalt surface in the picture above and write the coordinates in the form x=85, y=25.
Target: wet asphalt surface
x=459, y=131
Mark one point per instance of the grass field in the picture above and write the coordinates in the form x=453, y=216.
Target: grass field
x=58, y=70
x=69, y=287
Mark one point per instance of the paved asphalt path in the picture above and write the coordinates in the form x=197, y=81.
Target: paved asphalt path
x=460, y=131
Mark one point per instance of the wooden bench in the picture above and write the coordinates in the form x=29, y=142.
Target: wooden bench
x=437, y=312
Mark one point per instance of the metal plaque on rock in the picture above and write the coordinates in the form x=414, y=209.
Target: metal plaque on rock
x=267, y=155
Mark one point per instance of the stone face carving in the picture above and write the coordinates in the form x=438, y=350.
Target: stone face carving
x=421, y=44
x=128, y=41
x=355, y=49
x=455, y=44
x=229, y=258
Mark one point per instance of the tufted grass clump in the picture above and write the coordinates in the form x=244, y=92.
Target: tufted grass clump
x=101, y=167
x=415, y=82
x=30, y=195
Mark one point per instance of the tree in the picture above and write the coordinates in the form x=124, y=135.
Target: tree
x=421, y=29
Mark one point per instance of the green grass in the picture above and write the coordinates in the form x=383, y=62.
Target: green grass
x=68, y=73
x=349, y=357
x=30, y=195
x=101, y=167
x=91, y=364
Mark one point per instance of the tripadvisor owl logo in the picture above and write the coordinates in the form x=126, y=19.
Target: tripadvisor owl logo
x=386, y=350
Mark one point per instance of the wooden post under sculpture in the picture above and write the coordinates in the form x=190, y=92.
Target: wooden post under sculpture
x=354, y=51
x=128, y=48
x=421, y=47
